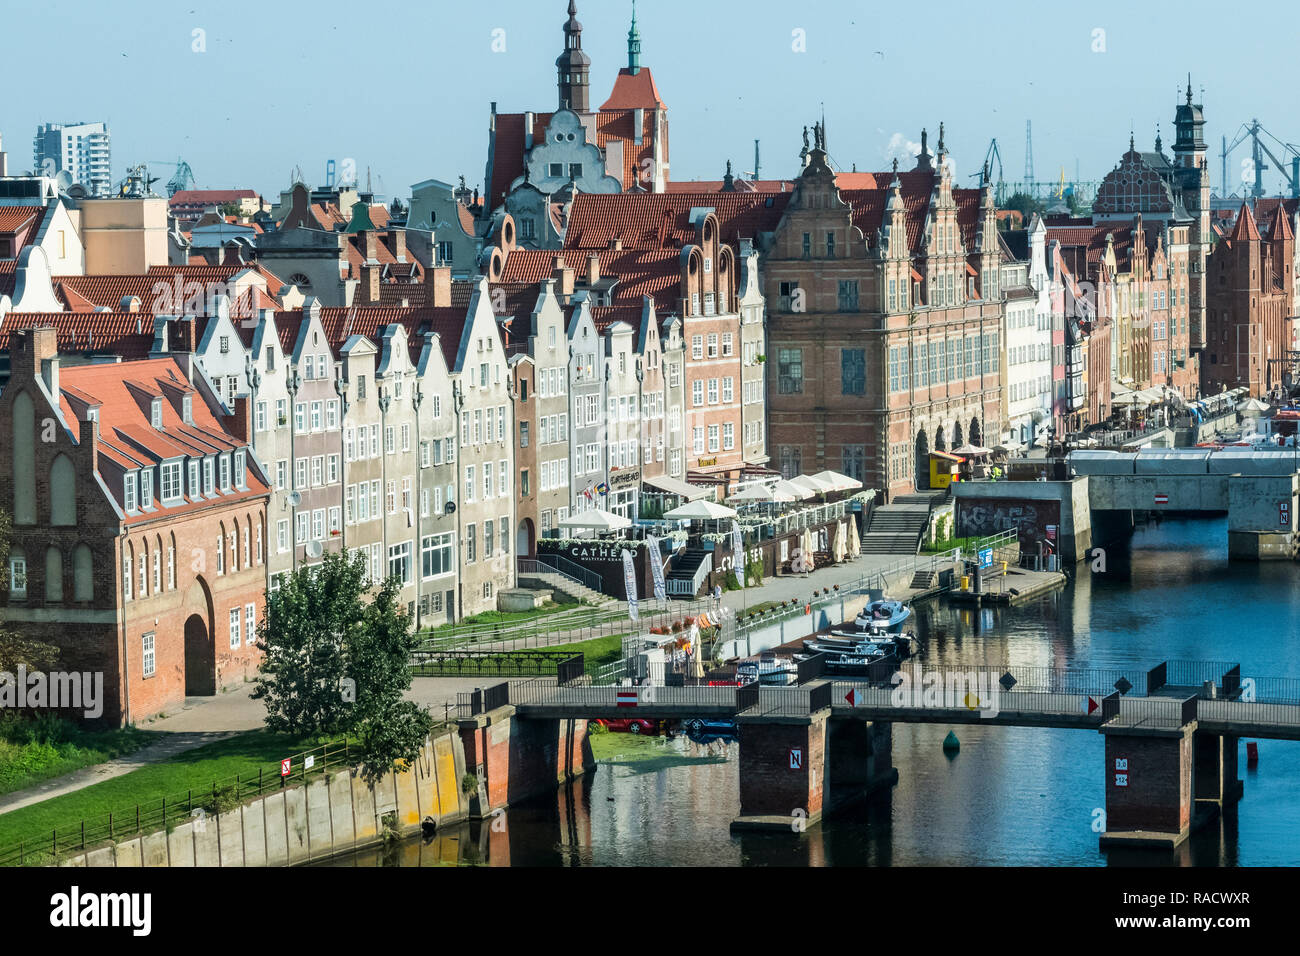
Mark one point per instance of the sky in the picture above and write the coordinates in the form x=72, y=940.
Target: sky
x=247, y=92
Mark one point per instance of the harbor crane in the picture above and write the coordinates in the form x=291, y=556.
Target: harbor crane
x=1255, y=132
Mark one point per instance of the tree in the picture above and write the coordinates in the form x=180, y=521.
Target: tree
x=1025, y=204
x=16, y=649
x=336, y=663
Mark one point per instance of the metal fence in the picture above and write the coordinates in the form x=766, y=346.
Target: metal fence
x=459, y=663
x=196, y=804
x=547, y=562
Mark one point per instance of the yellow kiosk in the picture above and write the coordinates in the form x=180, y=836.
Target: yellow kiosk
x=944, y=469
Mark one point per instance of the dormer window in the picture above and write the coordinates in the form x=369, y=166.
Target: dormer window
x=194, y=478
x=224, y=465
x=155, y=412
x=146, y=489
x=208, y=488
x=187, y=409
x=129, y=485
x=240, y=470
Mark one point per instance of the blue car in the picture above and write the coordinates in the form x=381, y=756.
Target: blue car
x=709, y=727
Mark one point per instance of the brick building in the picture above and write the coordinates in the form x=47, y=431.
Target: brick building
x=1251, y=306
x=139, y=519
x=884, y=321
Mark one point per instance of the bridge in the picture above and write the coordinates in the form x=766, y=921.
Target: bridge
x=1092, y=495
x=1171, y=730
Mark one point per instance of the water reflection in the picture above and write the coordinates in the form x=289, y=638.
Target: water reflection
x=1011, y=796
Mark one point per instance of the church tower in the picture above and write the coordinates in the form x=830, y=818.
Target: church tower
x=573, y=67
x=1193, y=173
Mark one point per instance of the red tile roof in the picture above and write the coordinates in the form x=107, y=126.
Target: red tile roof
x=14, y=218
x=662, y=220
x=370, y=322
x=632, y=91
x=210, y=197
x=741, y=186
x=1245, y=227
x=127, y=437
x=105, y=333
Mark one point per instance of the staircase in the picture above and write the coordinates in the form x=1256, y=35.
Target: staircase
x=688, y=572
x=536, y=576
x=923, y=580
x=897, y=528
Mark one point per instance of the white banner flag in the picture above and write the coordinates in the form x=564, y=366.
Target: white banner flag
x=656, y=559
x=629, y=581
x=738, y=552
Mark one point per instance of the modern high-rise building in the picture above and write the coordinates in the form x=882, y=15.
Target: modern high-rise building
x=82, y=149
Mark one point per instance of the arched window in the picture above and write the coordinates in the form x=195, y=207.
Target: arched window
x=221, y=549
x=157, y=566
x=171, y=562
x=83, y=574
x=128, y=559
x=24, y=458
x=233, y=542
x=53, y=574
x=63, y=492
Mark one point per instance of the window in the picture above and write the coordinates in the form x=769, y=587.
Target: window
x=389, y=443
x=18, y=576
x=261, y=416
x=713, y=438
x=728, y=389
x=302, y=530
x=489, y=527
x=300, y=416
x=469, y=483
x=830, y=245
x=697, y=346
x=147, y=654
x=503, y=527
x=250, y=624
x=317, y=471
x=129, y=492
x=728, y=436
x=853, y=371
x=333, y=470
x=713, y=391
x=224, y=467
x=790, y=371
x=234, y=627
x=436, y=558
x=399, y=562
x=728, y=344
x=848, y=295
x=487, y=479
x=713, y=345
x=470, y=544
x=503, y=478
x=155, y=413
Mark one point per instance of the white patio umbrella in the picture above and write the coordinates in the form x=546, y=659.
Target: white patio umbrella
x=796, y=492
x=839, y=546
x=761, y=493
x=837, y=481
x=809, y=547
x=972, y=451
x=1117, y=389
x=813, y=484
x=597, y=520
x=1253, y=407
x=1012, y=444
x=702, y=510
x=1132, y=398
x=855, y=543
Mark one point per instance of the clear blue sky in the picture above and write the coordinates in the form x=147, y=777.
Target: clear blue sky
x=404, y=88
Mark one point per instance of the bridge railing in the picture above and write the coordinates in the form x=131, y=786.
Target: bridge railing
x=1091, y=681
x=1275, y=713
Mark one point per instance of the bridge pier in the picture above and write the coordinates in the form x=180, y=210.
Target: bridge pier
x=795, y=769
x=516, y=758
x=1215, y=773
x=1149, y=791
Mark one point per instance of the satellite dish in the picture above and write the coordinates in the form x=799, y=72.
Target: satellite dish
x=314, y=549
x=451, y=508
x=63, y=180
x=294, y=498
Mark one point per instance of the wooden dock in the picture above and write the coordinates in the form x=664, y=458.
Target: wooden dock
x=1015, y=586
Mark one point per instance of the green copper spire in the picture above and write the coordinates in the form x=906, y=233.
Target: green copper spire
x=634, y=45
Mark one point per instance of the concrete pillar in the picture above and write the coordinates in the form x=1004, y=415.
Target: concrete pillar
x=1149, y=772
x=782, y=772
x=1215, y=777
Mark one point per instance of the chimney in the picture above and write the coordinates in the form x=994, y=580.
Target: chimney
x=371, y=284
x=371, y=245
x=437, y=287
x=563, y=276
x=32, y=348
x=616, y=244
x=50, y=372
x=528, y=131
x=237, y=421
x=593, y=269
x=399, y=244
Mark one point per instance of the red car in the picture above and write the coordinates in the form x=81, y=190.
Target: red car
x=628, y=725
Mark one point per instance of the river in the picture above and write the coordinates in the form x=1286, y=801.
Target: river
x=1011, y=796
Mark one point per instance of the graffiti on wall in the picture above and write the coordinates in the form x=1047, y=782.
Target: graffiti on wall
x=988, y=516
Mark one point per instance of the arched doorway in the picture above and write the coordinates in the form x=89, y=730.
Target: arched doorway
x=200, y=659
x=200, y=643
x=525, y=539
x=922, y=460
x=956, y=435
x=940, y=440
x=975, y=436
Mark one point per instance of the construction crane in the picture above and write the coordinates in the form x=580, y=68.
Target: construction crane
x=137, y=184
x=1289, y=169
x=183, y=178
x=991, y=156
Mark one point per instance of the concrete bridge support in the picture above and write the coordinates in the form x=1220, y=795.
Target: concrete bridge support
x=1215, y=771
x=1149, y=795
x=515, y=758
x=859, y=761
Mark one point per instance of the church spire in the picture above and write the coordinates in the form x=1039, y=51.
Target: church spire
x=573, y=67
x=634, y=45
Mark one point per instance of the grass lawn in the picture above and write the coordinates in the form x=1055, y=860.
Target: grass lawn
x=195, y=769
x=597, y=652
x=646, y=754
x=947, y=544
x=33, y=751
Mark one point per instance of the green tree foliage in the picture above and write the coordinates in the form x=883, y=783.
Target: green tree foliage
x=1026, y=205
x=335, y=662
x=16, y=648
